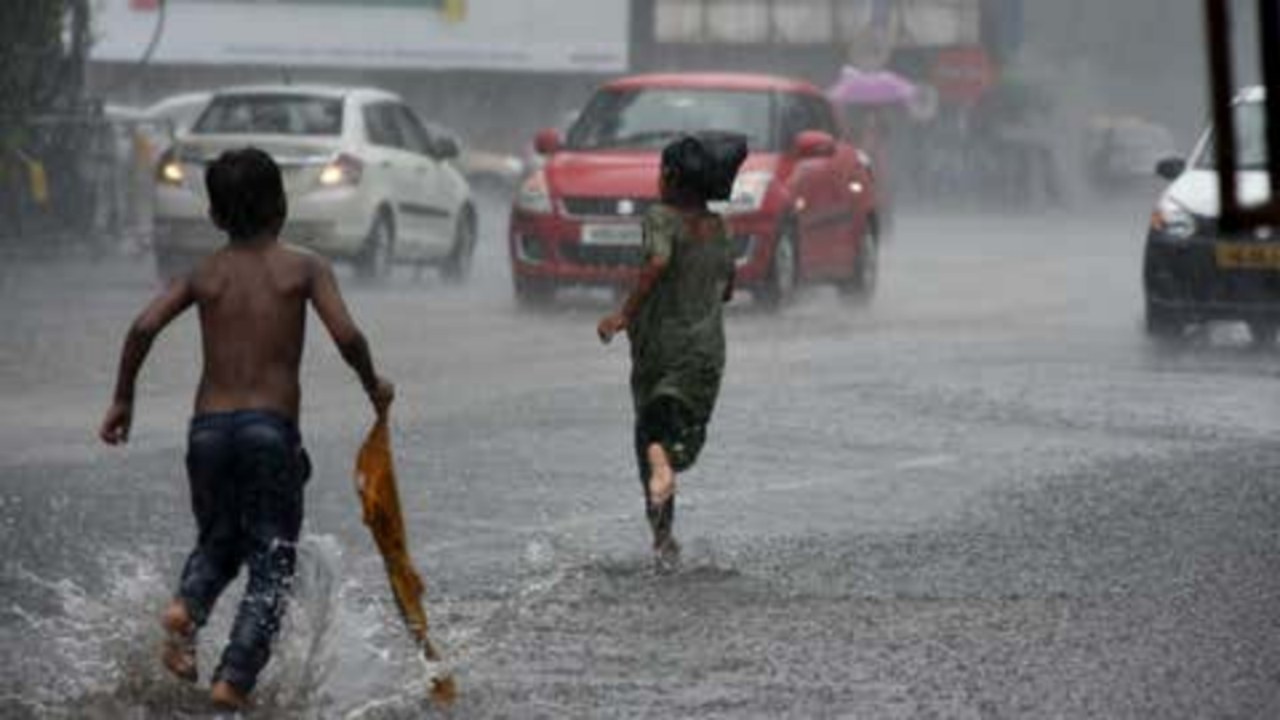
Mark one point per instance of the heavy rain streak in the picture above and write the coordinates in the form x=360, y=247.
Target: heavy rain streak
x=737, y=359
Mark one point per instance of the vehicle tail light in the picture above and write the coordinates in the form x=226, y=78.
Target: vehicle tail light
x=343, y=170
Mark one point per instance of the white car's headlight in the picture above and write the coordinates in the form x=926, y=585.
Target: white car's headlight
x=749, y=192
x=535, y=195
x=1174, y=220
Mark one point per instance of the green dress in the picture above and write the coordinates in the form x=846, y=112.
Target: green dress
x=677, y=337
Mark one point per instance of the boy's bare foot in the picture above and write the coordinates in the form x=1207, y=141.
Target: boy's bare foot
x=225, y=696
x=662, y=478
x=179, y=653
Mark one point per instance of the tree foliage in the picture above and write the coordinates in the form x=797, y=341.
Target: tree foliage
x=41, y=58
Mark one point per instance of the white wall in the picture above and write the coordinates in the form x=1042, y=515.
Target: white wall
x=517, y=35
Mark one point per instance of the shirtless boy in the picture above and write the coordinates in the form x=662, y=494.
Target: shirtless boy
x=245, y=460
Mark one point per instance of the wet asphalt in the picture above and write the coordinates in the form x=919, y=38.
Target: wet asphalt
x=985, y=496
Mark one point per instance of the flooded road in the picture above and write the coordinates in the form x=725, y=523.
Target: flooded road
x=984, y=497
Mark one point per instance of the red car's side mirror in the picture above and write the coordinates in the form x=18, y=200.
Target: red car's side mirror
x=815, y=144
x=547, y=142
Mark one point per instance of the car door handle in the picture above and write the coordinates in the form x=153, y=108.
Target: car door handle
x=385, y=164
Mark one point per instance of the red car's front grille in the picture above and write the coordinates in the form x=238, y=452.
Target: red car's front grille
x=603, y=256
x=606, y=256
x=607, y=206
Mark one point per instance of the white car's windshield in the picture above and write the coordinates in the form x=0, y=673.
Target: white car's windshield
x=272, y=115
x=652, y=117
x=1251, y=140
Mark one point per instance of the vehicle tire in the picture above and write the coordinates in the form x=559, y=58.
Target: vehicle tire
x=780, y=286
x=1164, y=326
x=377, y=258
x=532, y=293
x=1263, y=333
x=861, y=288
x=457, y=267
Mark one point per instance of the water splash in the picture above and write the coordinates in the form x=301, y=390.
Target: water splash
x=89, y=652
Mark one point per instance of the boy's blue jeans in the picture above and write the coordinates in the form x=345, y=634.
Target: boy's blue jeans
x=247, y=471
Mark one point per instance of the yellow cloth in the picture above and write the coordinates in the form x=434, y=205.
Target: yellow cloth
x=381, y=503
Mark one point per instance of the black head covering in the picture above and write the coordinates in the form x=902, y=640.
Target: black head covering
x=707, y=163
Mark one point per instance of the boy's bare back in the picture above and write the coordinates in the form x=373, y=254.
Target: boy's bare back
x=252, y=296
x=253, y=300
x=252, y=303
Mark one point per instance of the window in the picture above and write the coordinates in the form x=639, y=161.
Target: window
x=652, y=117
x=272, y=115
x=1251, y=139
x=804, y=112
x=381, y=126
x=415, y=137
x=894, y=23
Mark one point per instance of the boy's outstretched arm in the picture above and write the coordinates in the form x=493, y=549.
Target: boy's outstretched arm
x=176, y=298
x=333, y=312
x=617, y=322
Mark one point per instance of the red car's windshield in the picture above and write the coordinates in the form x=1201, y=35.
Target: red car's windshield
x=651, y=117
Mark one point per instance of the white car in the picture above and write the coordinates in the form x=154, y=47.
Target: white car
x=1192, y=273
x=366, y=182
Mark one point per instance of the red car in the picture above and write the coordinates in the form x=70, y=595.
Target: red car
x=804, y=208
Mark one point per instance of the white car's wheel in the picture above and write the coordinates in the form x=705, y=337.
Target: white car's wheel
x=379, y=250
x=457, y=267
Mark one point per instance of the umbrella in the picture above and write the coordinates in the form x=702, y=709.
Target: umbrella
x=381, y=503
x=880, y=87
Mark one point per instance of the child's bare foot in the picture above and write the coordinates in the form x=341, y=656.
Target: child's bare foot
x=666, y=555
x=225, y=696
x=662, y=478
x=179, y=653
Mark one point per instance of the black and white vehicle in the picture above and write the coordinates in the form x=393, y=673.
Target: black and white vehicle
x=1191, y=274
x=366, y=181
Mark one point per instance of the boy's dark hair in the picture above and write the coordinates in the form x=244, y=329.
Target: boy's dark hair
x=246, y=194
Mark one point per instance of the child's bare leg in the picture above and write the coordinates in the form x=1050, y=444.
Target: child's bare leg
x=179, y=653
x=662, y=492
x=226, y=696
x=662, y=477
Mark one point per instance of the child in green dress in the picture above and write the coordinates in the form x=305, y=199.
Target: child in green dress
x=674, y=319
